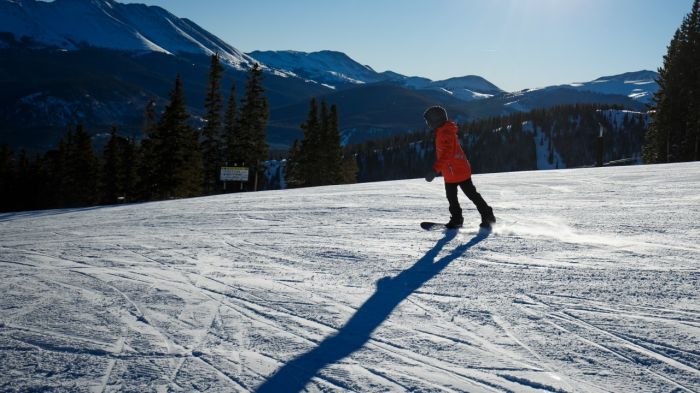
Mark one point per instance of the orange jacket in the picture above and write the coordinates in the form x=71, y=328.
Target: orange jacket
x=451, y=160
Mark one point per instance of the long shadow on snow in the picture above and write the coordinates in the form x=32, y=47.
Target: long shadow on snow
x=11, y=216
x=293, y=376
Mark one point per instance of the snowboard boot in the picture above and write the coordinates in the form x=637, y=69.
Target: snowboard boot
x=455, y=222
x=487, y=219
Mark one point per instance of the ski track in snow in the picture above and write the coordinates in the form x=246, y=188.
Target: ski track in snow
x=590, y=282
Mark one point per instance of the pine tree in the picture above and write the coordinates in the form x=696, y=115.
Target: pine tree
x=213, y=133
x=112, y=172
x=63, y=173
x=349, y=169
x=674, y=134
x=25, y=194
x=233, y=150
x=322, y=153
x=147, y=183
x=309, y=151
x=7, y=178
x=292, y=174
x=86, y=166
x=252, y=122
x=149, y=117
x=666, y=115
x=77, y=170
x=119, y=174
x=131, y=156
x=177, y=170
x=318, y=159
x=693, y=123
x=690, y=69
x=333, y=149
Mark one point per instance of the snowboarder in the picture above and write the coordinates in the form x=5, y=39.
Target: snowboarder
x=454, y=166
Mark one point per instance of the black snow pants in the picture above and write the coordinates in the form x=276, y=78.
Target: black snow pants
x=470, y=191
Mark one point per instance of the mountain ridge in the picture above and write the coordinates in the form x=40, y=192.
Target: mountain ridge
x=153, y=45
x=338, y=70
x=72, y=24
x=140, y=27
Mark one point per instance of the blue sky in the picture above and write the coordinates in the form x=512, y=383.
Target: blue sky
x=515, y=44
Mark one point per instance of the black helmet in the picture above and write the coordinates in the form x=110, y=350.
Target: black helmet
x=435, y=116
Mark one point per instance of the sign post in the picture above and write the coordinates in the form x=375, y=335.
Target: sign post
x=233, y=173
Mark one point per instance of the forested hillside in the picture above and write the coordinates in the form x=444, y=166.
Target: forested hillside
x=560, y=137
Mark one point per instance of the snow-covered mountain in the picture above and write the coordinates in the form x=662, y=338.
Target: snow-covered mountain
x=467, y=88
x=113, y=57
x=589, y=283
x=327, y=67
x=72, y=24
x=633, y=90
x=639, y=85
x=336, y=69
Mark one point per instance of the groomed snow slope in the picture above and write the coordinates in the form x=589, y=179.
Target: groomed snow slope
x=590, y=283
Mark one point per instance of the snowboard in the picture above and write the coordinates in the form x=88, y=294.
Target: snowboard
x=429, y=226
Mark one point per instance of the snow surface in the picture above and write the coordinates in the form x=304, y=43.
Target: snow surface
x=589, y=283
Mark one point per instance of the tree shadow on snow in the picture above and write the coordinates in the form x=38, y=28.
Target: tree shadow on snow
x=293, y=376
